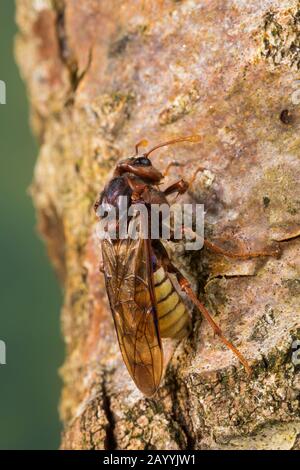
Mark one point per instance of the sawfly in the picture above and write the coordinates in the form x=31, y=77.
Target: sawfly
x=146, y=303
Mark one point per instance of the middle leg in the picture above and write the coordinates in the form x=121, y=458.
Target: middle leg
x=269, y=251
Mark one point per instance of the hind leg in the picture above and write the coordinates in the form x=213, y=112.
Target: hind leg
x=186, y=287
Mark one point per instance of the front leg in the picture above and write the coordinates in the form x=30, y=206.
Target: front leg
x=180, y=187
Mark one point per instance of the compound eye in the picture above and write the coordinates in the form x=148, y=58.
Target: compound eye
x=142, y=161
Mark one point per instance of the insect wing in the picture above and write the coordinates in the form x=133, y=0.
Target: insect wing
x=129, y=284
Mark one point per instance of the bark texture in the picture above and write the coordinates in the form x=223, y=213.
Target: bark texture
x=102, y=75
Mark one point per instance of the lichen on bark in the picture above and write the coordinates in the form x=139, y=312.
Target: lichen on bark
x=103, y=75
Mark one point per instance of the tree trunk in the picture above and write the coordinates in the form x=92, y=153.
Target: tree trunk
x=102, y=75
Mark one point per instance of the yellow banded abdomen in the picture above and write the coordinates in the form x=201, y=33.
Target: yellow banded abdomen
x=174, y=320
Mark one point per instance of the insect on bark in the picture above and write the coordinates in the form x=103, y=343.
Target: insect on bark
x=145, y=302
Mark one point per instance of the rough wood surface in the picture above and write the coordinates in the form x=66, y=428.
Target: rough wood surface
x=101, y=75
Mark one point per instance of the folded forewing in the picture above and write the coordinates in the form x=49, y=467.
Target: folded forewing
x=129, y=284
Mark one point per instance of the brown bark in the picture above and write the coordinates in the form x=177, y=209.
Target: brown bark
x=101, y=75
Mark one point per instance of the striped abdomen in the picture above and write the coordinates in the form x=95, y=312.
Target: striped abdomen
x=174, y=320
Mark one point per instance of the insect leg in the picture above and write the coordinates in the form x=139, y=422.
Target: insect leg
x=271, y=251
x=181, y=186
x=137, y=189
x=243, y=254
x=198, y=169
x=186, y=287
x=141, y=143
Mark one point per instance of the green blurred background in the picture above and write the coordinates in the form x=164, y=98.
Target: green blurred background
x=30, y=295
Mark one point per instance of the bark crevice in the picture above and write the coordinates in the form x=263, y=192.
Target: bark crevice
x=110, y=440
